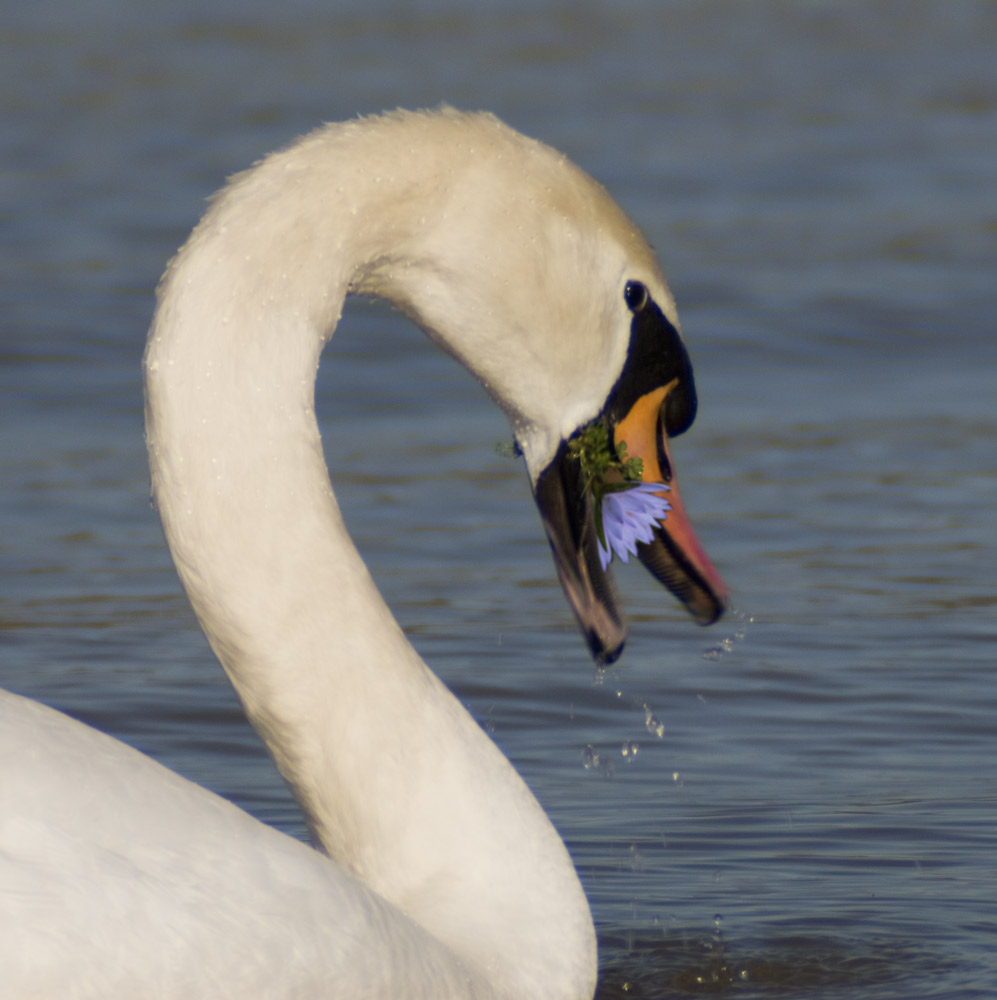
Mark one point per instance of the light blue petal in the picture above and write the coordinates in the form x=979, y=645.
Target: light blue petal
x=629, y=517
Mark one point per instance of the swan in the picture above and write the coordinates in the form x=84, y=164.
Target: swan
x=435, y=871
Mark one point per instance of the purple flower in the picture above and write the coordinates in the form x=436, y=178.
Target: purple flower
x=627, y=517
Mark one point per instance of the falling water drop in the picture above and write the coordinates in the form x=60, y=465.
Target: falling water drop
x=653, y=724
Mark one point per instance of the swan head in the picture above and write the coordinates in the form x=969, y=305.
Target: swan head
x=513, y=260
x=524, y=268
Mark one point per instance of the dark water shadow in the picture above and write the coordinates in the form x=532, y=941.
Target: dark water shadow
x=816, y=966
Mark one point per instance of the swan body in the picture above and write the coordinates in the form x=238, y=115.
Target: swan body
x=437, y=873
x=120, y=886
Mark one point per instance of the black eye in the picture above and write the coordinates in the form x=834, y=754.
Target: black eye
x=635, y=296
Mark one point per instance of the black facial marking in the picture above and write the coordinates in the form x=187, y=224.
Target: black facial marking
x=656, y=356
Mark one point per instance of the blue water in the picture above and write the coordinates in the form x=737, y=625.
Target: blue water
x=798, y=802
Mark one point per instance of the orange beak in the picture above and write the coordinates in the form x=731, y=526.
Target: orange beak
x=675, y=557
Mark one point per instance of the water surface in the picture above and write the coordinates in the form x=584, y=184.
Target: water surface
x=798, y=802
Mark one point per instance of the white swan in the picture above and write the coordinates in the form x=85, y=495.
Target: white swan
x=119, y=879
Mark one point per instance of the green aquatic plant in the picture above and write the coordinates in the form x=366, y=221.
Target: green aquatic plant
x=626, y=509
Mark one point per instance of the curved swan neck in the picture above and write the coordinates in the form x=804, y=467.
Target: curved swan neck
x=396, y=781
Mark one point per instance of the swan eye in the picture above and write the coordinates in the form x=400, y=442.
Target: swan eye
x=635, y=296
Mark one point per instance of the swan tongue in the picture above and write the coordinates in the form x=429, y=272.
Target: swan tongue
x=674, y=557
x=567, y=516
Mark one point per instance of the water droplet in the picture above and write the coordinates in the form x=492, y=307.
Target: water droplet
x=653, y=724
x=629, y=750
x=590, y=758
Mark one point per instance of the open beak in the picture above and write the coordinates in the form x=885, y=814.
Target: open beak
x=675, y=556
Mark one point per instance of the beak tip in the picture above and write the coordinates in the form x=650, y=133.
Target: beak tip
x=603, y=654
x=707, y=602
x=716, y=612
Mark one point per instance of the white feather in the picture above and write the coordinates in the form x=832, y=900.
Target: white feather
x=440, y=874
